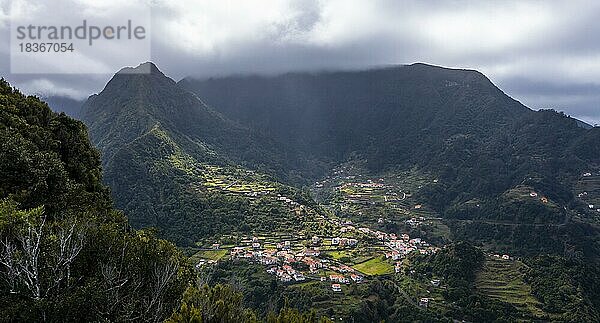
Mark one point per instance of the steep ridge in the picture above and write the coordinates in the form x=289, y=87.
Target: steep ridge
x=133, y=102
x=168, y=158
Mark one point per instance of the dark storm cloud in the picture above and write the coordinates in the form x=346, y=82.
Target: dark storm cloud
x=545, y=54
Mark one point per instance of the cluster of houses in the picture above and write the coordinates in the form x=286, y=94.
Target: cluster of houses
x=543, y=198
x=415, y=222
x=286, y=273
x=283, y=262
x=368, y=184
x=290, y=265
x=399, y=248
x=503, y=257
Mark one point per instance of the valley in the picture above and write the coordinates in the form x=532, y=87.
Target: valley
x=298, y=206
x=300, y=161
x=342, y=219
x=370, y=229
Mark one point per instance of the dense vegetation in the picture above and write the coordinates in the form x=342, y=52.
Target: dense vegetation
x=67, y=255
x=568, y=288
x=455, y=124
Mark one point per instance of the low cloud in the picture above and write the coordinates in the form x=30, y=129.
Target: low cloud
x=544, y=54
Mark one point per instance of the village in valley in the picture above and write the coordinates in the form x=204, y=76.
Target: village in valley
x=318, y=258
x=362, y=228
x=342, y=243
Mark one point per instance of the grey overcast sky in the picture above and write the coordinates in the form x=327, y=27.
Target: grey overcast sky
x=545, y=54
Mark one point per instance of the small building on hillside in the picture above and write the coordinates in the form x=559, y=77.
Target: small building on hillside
x=357, y=278
x=299, y=277
x=336, y=288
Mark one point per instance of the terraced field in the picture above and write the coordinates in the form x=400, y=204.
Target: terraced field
x=352, y=256
x=393, y=195
x=375, y=266
x=502, y=280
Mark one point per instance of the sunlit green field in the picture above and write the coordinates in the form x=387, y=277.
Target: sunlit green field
x=375, y=266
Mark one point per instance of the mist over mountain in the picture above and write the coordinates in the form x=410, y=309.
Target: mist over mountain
x=337, y=113
x=455, y=124
x=452, y=124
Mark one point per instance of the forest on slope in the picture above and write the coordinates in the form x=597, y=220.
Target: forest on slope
x=67, y=255
x=479, y=143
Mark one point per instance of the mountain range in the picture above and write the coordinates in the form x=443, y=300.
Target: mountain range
x=172, y=161
x=497, y=204
x=159, y=137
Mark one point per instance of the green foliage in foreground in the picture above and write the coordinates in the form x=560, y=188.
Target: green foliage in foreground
x=218, y=304
x=67, y=255
x=221, y=303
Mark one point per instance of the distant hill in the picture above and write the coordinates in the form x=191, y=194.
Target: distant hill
x=69, y=106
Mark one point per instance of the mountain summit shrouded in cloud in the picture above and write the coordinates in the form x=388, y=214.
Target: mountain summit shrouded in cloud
x=288, y=161
x=542, y=53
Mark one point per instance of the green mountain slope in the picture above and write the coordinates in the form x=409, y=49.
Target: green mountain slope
x=65, y=254
x=169, y=160
x=480, y=144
